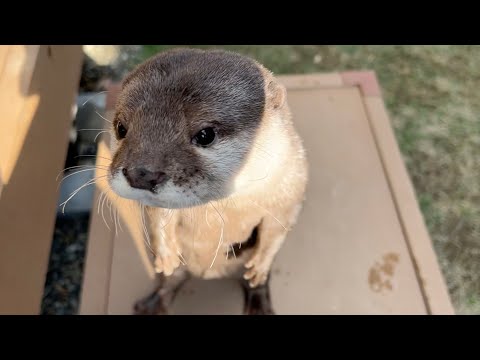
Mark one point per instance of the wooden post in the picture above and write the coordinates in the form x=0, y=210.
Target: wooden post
x=38, y=85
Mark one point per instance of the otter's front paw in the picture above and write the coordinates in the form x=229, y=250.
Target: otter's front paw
x=166, y=264
x=258, y=270
x=167, y=261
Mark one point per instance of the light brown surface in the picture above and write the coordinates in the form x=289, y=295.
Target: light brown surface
x=349, y=221
x=96, y=278
x=428, y=272
x=36, y=100
x=312, y=81
x=349, y=252
x=115, y=250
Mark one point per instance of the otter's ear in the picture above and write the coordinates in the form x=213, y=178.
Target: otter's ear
x=276, y=94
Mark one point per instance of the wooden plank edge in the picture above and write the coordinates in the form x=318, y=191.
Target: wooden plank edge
x=430, y=277
x=366, y=80
x=95, y=291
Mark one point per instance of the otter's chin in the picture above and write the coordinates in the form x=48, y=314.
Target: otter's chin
x=165, y=204
x=148, y=198
x=178, y=202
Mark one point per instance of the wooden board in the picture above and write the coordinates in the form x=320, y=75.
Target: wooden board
x=38, y=85
x=360, y=246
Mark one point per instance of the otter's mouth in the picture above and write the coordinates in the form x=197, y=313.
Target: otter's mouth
x=163, y=195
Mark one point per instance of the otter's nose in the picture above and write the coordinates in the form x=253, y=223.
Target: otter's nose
x=141, y=178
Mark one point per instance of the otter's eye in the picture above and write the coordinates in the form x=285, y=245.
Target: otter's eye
x=121, y=130
x=204, y=137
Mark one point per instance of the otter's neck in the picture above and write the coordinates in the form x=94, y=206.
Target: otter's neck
x=268, y=159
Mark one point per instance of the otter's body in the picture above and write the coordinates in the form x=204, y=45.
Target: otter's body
x=206, y=141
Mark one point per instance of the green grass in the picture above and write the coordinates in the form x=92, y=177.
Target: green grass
x=433, y=96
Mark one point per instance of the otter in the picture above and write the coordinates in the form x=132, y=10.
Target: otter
x=205, y=140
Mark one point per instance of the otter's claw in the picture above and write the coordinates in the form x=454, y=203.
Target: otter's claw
x=167, y=264
x=168, y=259
x=258, y=270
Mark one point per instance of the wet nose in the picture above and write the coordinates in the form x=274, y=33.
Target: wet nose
x=141, y=178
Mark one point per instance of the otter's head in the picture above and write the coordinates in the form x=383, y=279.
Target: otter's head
x=184, y=124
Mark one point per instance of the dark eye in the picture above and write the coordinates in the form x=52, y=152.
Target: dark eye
x=121, y=130
x=204, y=137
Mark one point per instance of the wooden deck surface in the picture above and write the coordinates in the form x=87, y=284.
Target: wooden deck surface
x=360, y=246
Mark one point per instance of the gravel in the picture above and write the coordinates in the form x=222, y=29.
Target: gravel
x=65, y=270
